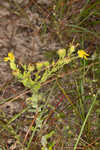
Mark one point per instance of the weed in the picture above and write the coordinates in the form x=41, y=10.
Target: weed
x=49, y=71
x=65, y=114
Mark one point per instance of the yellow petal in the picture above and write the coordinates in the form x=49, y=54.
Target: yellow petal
x=6, y=59
x=85, y=57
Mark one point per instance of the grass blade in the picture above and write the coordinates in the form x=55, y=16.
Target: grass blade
x=84, y=123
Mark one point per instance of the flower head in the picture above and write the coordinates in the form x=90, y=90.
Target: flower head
x=82, y=54
x=10, y=57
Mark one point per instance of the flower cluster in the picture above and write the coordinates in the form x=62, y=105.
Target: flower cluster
x=10, y=57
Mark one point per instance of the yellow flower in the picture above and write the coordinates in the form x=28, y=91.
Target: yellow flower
x=82, y=54
x=10, y=57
